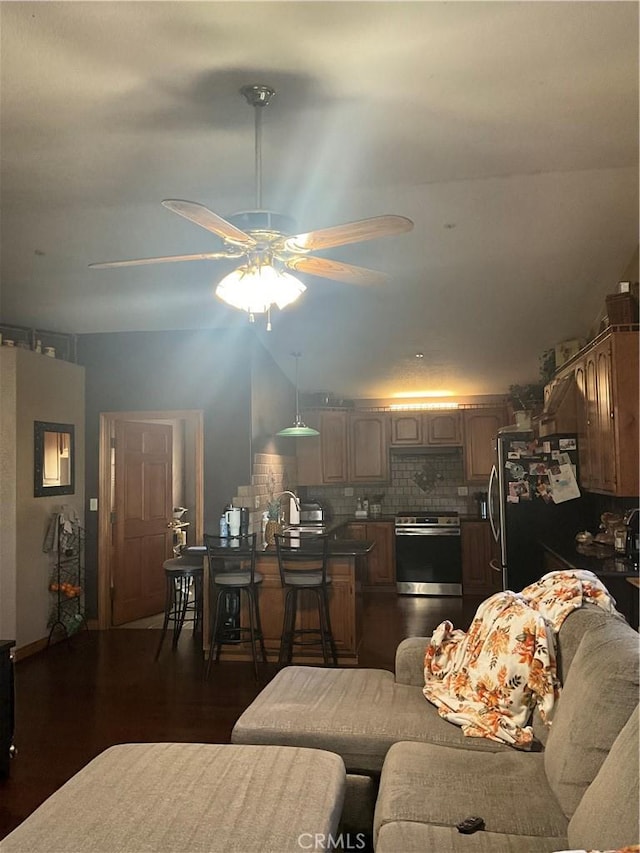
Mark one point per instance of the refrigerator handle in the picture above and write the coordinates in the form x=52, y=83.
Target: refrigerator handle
x=492, y=479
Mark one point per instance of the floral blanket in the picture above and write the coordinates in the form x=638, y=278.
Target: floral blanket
x=489, y=679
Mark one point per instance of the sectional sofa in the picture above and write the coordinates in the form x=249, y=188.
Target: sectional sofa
x=412, y=776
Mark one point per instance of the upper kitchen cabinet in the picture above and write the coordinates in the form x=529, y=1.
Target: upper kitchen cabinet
x=480, y=430
x=426, y=429
x=352, y=448
x=368, y=448
x=606, y=374
x=443, y=427
x=334, y=447
x=406, y=429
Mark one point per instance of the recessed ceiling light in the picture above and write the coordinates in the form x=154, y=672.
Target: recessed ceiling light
x=419, y=355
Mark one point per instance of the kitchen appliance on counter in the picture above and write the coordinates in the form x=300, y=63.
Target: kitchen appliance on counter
x=533, y=493
x=428, y=554
x=312, y=512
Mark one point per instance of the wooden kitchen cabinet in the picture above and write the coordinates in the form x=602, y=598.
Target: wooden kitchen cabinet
x=426, y=429
x=443, y=428
x=480, y=430
x=606, y=374
x=478, y=549
x=323, y=459
x=381, y=561
x=406, y=429
x=368, y=448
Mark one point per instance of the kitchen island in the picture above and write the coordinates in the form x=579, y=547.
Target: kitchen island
x=345, y=604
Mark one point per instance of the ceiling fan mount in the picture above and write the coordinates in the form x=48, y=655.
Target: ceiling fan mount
x=265, y=241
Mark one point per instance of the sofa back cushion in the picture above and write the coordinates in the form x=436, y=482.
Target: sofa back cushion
x=571, y=632
x=598, y=697
x=608, y=815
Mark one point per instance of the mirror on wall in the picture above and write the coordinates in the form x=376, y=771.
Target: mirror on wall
x=54, y=459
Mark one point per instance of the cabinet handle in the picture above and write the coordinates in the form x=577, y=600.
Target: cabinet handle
x=495, y=566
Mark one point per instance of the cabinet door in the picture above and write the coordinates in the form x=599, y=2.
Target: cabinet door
x=443, y=428
x=480, y=430
x=478, y=549
x=584, y=453
x=333, y=445
x=606, y=433
x=381, y=560
x=406, y=429
x=593, y=442
x=308, y=454
x=368, y=449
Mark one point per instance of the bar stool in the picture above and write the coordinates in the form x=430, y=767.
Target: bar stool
x=232, y=571
x=183, y=601
x=302, y=562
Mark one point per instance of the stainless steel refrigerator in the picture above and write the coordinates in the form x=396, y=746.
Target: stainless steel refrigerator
x=534, y=497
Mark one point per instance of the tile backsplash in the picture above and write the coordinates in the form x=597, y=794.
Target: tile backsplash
x=418, y=482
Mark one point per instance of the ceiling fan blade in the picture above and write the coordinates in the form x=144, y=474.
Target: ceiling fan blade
x=336, y=270
x=207, y=219
x=137, y=262
x=350, y=232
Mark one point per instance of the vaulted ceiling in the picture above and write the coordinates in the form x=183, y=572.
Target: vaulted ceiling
x=508, y=132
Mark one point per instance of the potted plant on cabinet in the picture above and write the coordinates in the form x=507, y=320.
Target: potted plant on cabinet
x=525, y=401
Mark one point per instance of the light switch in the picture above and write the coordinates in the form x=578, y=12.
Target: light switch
x=348, y=492
x=93, y=504
x=463, y=491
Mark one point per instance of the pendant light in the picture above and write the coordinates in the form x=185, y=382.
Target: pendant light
x=299, y=428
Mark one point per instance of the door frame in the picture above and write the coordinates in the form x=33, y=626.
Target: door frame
x=195, y=418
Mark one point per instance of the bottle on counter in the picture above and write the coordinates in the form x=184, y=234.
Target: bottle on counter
x=224, y=527
x=358, y=505
x=365, y=505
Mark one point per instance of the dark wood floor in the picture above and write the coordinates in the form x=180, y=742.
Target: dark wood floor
x=102, y=687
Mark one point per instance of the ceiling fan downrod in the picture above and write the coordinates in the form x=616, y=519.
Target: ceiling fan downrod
x=258, y=96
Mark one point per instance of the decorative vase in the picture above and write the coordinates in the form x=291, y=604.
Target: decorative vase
x=523, y=419
x=271, y=528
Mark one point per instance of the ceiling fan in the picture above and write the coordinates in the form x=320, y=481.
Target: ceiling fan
x=262, y=240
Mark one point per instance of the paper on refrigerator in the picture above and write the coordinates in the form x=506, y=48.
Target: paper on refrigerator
x=562, y=480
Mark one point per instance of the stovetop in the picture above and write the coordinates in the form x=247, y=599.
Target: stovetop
x=424, y=518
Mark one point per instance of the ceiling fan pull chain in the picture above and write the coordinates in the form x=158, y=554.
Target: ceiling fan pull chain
x=269, y=318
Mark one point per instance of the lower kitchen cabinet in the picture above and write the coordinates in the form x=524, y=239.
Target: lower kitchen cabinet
x=478, y=549
x=381, y=561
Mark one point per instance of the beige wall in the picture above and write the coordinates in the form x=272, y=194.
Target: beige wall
x=34, y=388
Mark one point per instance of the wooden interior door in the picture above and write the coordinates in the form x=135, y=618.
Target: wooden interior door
x=142, y=533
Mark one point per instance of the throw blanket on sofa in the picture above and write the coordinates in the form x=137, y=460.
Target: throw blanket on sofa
x=489, y=679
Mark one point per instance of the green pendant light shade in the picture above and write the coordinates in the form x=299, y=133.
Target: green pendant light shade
x=299, y=428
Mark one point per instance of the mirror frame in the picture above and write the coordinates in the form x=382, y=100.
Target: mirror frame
x=39, y=488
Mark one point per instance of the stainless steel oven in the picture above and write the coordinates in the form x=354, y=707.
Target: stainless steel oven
x=428, y=555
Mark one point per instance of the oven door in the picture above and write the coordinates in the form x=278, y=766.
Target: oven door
x=428, y=562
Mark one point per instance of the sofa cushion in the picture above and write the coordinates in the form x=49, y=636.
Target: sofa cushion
x=608, y=814
x=598, y=697
x=168, y=797
x=571, y=632
x=358, y=713
x=407, y=837
x=439, y=785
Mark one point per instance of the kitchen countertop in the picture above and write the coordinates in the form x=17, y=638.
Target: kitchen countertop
x=337, y=548
x=599, y=559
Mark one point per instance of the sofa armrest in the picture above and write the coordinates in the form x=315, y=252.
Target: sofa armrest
x=410, y=661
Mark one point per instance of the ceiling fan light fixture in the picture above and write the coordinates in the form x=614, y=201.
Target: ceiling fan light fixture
x=255, y=288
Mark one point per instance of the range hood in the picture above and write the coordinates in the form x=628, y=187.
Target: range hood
x=560, y=413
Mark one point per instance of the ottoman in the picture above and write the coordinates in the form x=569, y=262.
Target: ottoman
x=167, y=797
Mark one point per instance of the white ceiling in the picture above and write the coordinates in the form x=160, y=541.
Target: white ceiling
x=508, y=132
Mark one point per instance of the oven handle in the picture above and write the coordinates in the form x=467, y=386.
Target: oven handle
x=404, y=531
